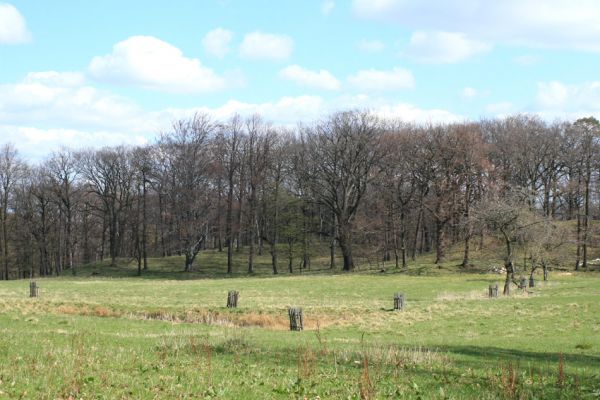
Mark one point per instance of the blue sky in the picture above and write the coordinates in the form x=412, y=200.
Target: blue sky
x=82, y=73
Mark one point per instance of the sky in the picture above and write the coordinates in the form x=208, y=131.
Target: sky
x=102, y=73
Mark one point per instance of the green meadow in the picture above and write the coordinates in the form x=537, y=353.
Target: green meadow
x=108, y=334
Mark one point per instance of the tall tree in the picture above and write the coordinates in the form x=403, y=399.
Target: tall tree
x=62, y=170
x=230, y=140
x=589, y=132
x=343, y=152
x=109, y=176
x=11, y=168
x=190, y=194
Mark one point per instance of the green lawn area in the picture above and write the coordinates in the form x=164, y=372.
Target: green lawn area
x=169, y=335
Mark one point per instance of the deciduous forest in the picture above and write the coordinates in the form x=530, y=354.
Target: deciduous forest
x=371, y=189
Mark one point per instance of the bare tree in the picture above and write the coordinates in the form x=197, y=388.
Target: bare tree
x=588, y=130
x=508, y=216
x=189, y=159
x=11, y=167
x=62, y=170
x=257, y=154
x=342, y=152
x=109, y=176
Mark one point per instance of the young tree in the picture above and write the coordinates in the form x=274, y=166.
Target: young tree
x=508, y=216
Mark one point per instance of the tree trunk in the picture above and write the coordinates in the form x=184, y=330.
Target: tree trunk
x=5, y=234
x=219, y=212
x=346, y=247
x=291, y=256
x=465, y=261
x=402, y=239
x=274, y=258
x=417, y=229
x=161, y=211
x=189, y=260
x=440, y=246
x=305, y=240
x=229, y=226
x=144, y=224
x=112, y=237
x=510, y=273
x=252, y=229
x=86, y=235
x=275, y=227
x=332, y=243
x=586, y=220
x=578, y=239
x=466, y=253
x=508, y=265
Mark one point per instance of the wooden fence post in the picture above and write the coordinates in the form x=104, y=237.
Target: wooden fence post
x=398, y=301
x=296, y=319
x=232, y=298
x=493, y=291
x=34, y=289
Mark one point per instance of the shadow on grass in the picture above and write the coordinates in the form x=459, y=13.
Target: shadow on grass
x=485, y=354
x=210, y=265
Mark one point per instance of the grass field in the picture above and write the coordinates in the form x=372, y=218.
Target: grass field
x=169, y=335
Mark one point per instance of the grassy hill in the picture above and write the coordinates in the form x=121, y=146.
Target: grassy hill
x=109, y=334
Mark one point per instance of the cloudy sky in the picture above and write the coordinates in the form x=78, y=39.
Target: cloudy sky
x=94, y=73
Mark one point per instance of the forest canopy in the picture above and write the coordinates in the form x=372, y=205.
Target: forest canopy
x=352, y=180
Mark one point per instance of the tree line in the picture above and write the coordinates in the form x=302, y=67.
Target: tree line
x=360, y=185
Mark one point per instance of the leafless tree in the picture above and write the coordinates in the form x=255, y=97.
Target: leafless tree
x=343, y=152
x=190, y=194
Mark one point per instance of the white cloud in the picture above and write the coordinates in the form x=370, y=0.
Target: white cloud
x=443, y=47
x=555, y=95
x=290, y=110
x=377, y=80
x=469, y=93
x=36, y=143
x=53, y=78
x=13, y=28
x=285, y=111
x=50, y=109
x=370, y=46
x=64, y=101
x=321, y=79
x=216, y=42
x=327, y=7
x=410, y=113
x=500, y=109
x=562, y=24
x=267, y=46
x=527, y=60
x=151, y=63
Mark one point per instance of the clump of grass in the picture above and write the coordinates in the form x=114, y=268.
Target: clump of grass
x=399, y=357
x=509, y=380
x=560, y=379
x=306, y=363
x=471, y=295
x=366, y=387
